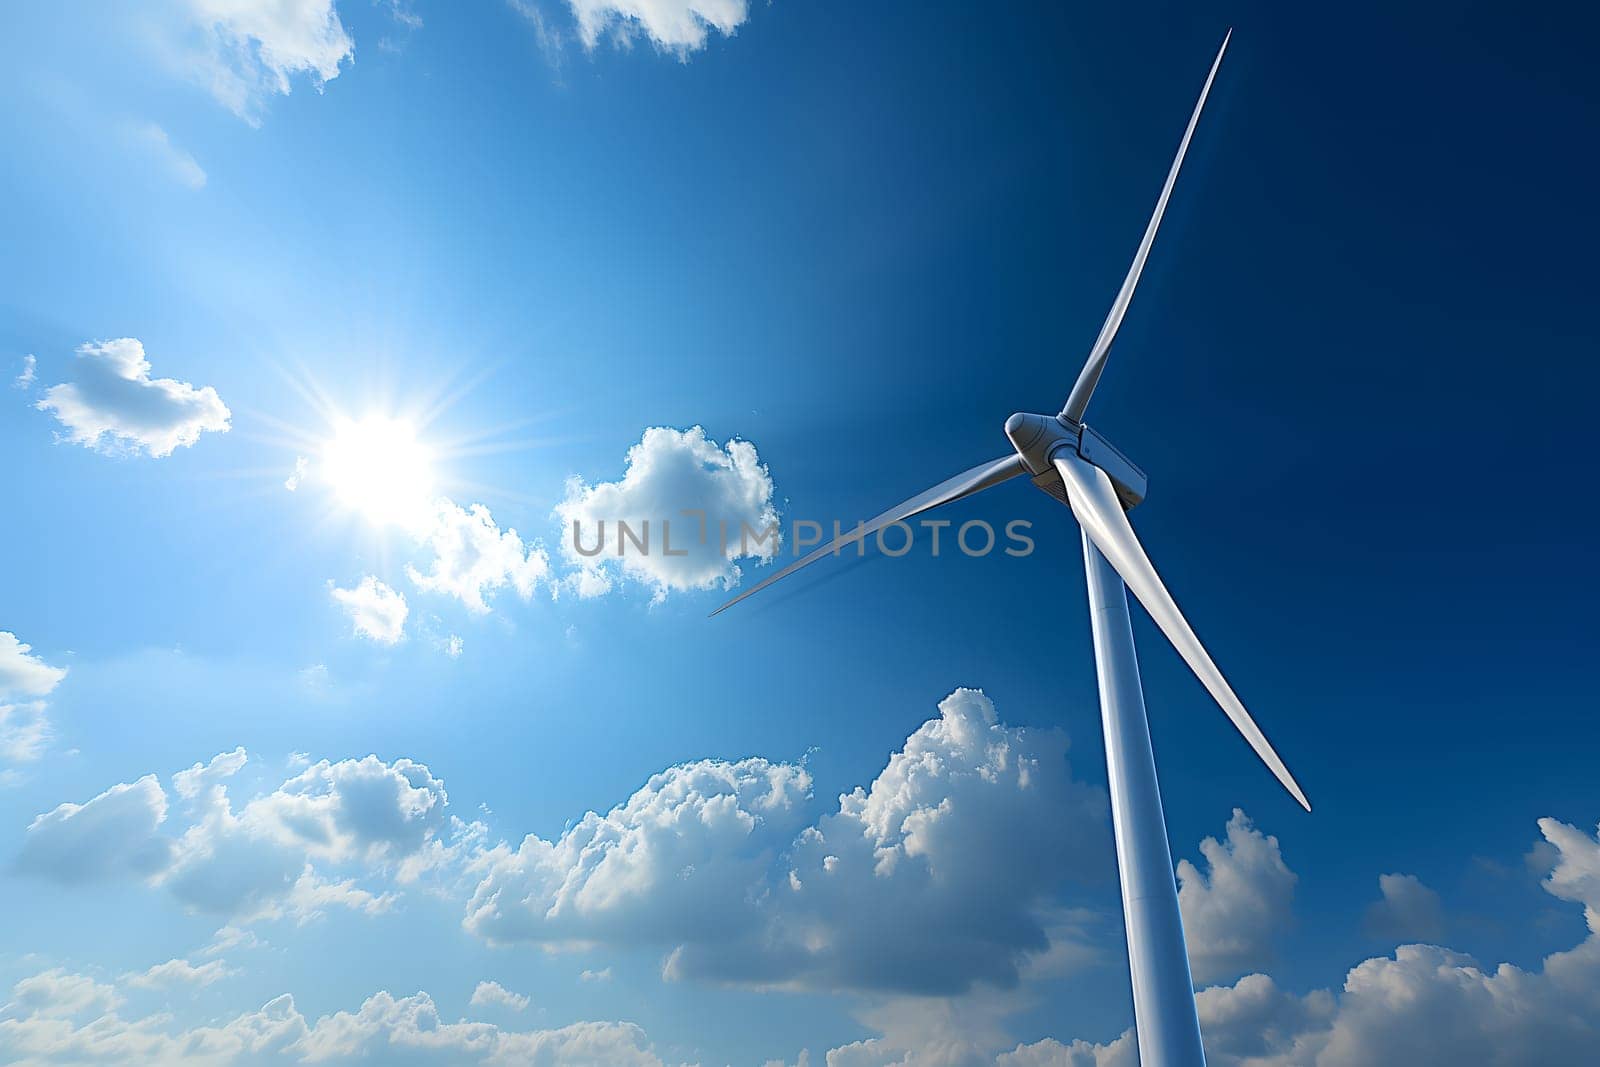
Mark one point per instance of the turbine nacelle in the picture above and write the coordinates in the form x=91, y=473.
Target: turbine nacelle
x=1039, y=438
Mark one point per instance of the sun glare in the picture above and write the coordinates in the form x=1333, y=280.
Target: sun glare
x=378, y=468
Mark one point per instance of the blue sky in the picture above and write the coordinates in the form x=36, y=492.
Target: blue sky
x=853, y=237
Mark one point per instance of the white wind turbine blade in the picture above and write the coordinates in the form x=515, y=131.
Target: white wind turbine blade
x=1089, y=377
x=1094, y=502
x=964, y=484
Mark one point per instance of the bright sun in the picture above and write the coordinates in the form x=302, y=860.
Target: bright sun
x=377, y=467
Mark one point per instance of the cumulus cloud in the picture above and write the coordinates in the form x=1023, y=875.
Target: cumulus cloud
x=57, y=1017
x=29, y=369
x=114, y=406
x=713, y=502
x=930, y=1032
x=934, y=889
x=272, y=856
x=177, y=972
x=295, y=851
x=251, y=49
x=24, y=724
x=23, y=674
x=1052, y=1053
x=677, y=859
x=676, y=26
x=1575, y=874
x=188, y=784
x=1233, y=908
x=493, y=994
x=1423, y=1005
x=116, y=834
x=1408, y=910
x=969, y=831
x=375, y=610
x=473, y=558
x=58, y=994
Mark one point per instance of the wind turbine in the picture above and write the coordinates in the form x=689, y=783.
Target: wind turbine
x=1080, y=468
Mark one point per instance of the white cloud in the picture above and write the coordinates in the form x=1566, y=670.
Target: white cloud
x=403, y=13
x=677, y=26
x=24, y=731
x=493, y=994
x=1408, y=911
x=44, y=1027
x=298, y=475
x=24, y=725
x=601, y=975
x=26, y=377
x=58, y=994
x=178, y=164
x=1232, y=910
x=272, y=856
x=375, y=610
x=936, y=877
x=703, y=495
x=231, y=937
x=930, y=1032
x=1423, y=1005
x=189, y=783
x=178, y=972
x=1051, y=1053
x=934, y=890
x=251, y=49
x=1575, y=875
x=550, y=39
x=295, y=851
x=678, y=858
x=22, y=674
x=114, y=406
x=116, y=834
x=473, y=558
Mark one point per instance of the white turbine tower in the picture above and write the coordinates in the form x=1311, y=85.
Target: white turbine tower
x=1077, y=466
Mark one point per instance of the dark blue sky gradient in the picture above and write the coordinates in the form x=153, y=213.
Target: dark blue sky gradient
x=1360, y=372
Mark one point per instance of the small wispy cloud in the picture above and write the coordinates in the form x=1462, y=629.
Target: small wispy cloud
x=375, y=610
x=405, y=19
x=174, y=161
x=29, y=369
x=551, y=40
x=676, y=27
x=301, y=465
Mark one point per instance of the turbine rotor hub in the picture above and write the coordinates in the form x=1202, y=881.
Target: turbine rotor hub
x=1037, y=439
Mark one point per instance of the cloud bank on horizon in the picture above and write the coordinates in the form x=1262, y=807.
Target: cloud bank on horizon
x=730, y=871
